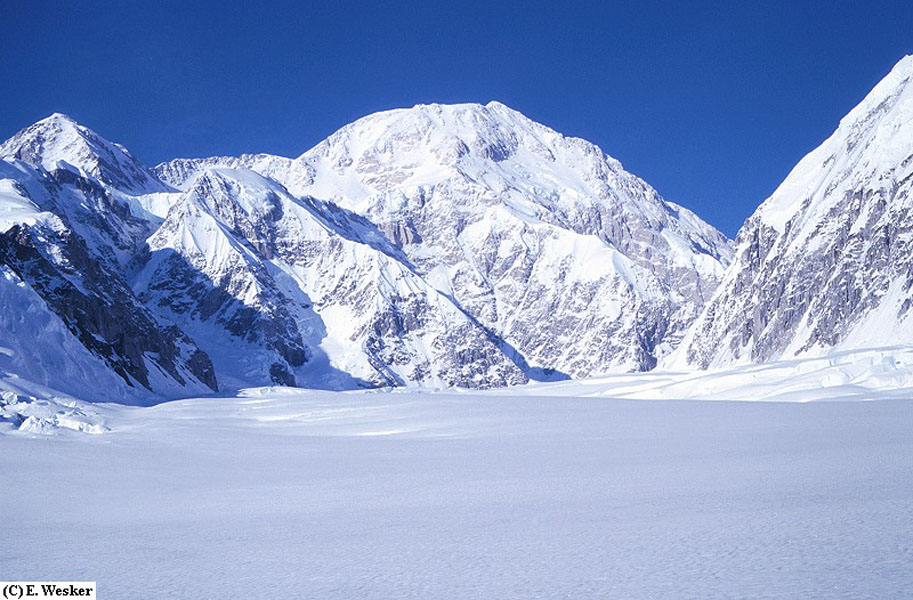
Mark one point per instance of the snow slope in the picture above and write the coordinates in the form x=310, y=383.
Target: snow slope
x=543, y=491
x=826, y=263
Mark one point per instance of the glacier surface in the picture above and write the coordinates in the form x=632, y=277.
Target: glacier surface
x=567, y=489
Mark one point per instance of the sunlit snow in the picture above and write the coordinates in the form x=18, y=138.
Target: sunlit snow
x=565, y=490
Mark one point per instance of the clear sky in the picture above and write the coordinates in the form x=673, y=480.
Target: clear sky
x=711, y=103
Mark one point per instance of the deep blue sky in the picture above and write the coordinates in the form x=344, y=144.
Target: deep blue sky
x=710, y=103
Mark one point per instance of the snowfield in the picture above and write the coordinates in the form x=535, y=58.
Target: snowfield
x=563, y=490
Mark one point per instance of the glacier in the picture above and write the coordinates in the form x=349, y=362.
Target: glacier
x=604, y=488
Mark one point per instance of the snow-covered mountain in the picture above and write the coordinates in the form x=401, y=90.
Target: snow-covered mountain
x=826, y=262
x=440, y=246
x=575, y=264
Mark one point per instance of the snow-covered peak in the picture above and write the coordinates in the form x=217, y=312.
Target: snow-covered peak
x=494, y=155
x=444, y=135
x=523, y=227
x=59, y=118
x=872, y=141
x=825, y=262
x=60, y=139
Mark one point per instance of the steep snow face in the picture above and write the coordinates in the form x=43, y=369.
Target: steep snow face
x=302, y=292
x=59, y=139
x=580, y=266
x=827, y=261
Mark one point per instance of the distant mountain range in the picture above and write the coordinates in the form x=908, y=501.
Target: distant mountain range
x=440, y=246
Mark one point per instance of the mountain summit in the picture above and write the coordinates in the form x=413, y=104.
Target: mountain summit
x=59, y=139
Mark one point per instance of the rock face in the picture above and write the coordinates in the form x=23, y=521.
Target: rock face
x=80, y=282
x=574, y=264
x=826, y=262
x=37, y=346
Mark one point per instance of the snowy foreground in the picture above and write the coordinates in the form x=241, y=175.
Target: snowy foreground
x=568, y=490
